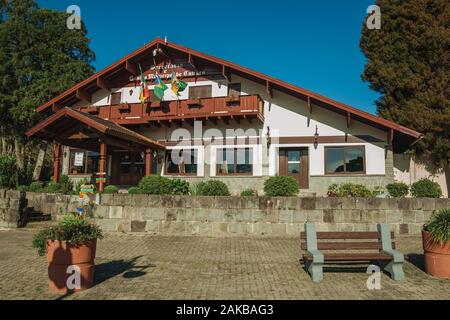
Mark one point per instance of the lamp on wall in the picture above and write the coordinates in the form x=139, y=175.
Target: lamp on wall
x=316, y=138
x=269, y=138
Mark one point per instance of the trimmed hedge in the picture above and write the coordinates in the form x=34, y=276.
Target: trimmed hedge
x=162, y=185
x=248, y=193
x=281, y=186
x=398, y=189
x=134, y=190
x=349, y=190
x=212, y=188
x=425, y=188
x=111, y=189
x=35, y=186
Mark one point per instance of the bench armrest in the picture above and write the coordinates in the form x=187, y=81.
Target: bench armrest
x=386, y=243
x=317, y=256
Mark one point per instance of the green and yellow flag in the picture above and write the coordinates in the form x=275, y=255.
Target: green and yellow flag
x=177, y=84
x=160, y=87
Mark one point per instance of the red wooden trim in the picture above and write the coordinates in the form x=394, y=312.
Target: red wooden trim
x=131, y=68
x=309, y=105
x=83, y=95
x=148, y=161
x=103, y=84
x=56, y=161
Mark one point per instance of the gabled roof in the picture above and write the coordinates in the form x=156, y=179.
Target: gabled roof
x=398, y=133
x=44, y=129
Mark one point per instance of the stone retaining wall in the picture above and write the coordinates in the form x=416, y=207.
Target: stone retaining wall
x=221, y=216
x=12, y=208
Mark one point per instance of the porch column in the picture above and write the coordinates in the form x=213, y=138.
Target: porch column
x=56, y=161
x=102, y=173
x=148, y=161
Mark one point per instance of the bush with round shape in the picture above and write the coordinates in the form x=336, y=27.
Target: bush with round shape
x=349, y=190
x=248, y=193
x=179, y=187
x=214, y=188
x=398, y=189
x=23, y=188
x=425, y=188
x=53, y=187
x=35, y=186
x=134, y=190
x=111, y=189
x=155, y=185
x=281, y=186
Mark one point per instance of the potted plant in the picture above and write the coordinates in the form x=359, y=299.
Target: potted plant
x=436, y=244
x=70, y=248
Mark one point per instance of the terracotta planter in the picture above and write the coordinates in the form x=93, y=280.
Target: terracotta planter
x=61, y=255
x=437, y=256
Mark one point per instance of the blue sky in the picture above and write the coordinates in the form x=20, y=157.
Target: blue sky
x=313, y=44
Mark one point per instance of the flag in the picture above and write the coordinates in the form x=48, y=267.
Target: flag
x=177, y=84
x=145, y=93
x=160, y=87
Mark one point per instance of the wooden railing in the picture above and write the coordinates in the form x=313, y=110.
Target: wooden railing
x=179, y=109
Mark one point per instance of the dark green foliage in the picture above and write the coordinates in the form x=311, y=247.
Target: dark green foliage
x=281, y=186
x=35, y=186
x=425, y=188
x=72, y=228
x=408, y=64
x=78, y=185
x=134, y=190
x=248, y=193
x=398, y=189
x=179, y=187
x=23, y=188
x=8, y=172
x=155, y=185
x=53, y=187
x=111, y=189
x=212, y=188
x=349, y=190
x=439, y=226
x=66, y=184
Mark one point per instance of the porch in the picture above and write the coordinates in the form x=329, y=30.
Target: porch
x=84, y=131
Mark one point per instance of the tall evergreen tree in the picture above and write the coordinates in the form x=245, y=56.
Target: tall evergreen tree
x=409, y=64
x=40, y=58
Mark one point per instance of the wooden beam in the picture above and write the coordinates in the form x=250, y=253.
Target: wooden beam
x=104, y=84
x=349, y=119
x=83, y=95
x=236, y=118
x=167, y=123
x=390, y=135
x=56, y=161
x=191, y=61
x=226, y=120
x=148, y=162
x=56, y=107
x=131, y=68
x=269, y=89
x=226, y=73
x=309, y=105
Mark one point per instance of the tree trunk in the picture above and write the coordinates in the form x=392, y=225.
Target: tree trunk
x=40, y=161
x=20, y=161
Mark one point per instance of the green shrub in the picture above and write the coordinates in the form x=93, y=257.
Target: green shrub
x=439, y=226
x=349, y=190
x=179, y=187
x=53, y=187
x=73, y=228
x=425, y=188
x=8, y=172
x=35, y=186
x=248, y=193
x=66, y=184
x=134, y=190
x=111, y=189
x=155, y=185
x=281, y=186
x=194, y=189
x=398, y=189
x=212, y=188
x=22, y=188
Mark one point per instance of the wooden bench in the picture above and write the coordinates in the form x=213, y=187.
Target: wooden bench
x=352, y=246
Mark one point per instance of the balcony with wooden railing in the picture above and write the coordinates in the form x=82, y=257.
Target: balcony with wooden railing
x=250, y=107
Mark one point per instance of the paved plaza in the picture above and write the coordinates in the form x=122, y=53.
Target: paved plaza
x=175, y=267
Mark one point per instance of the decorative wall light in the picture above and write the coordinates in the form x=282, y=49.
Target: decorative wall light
x=316, y=138
x=269, y=138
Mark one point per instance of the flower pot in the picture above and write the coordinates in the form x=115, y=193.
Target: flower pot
x=437, y=256
x=61, y=256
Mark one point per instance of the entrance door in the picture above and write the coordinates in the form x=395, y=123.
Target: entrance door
x=128, y=168
x=294, y=163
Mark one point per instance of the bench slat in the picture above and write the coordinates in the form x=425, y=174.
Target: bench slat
x=346, y=245
x=347, y=235
x=351, y=257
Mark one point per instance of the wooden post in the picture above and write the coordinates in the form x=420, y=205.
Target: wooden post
x=102, y=173
x=148, y=162
x=56, y=160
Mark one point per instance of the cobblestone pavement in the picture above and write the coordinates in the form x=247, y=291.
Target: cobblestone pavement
x=156, y=267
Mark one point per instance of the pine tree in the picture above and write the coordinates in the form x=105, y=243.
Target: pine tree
x=39, y=58
x=409, y=64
